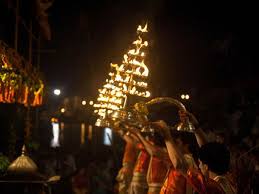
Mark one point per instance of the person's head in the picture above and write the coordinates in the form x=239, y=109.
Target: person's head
x=185, y=141
x=147, y=133
x=157, y=139
x=153, y=134
x=214, y=157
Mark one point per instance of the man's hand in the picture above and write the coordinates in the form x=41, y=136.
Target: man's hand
x=187, y=115
x=193, y=119
x=133, y=130
x=163, y=127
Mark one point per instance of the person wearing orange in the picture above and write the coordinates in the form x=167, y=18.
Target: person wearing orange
x=157, y=172
x=202, y=182
x=129, y=158
x=215, y=166
x=175, y=182
x=159, y=160
x=139, y=180
x=138, y=183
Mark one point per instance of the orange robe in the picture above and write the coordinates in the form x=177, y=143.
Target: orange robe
x=157, y=172
x=130, y=154
x=125, y=174
x=139, y=180
x=141, y=165
x=202, y=186
x=175, y=182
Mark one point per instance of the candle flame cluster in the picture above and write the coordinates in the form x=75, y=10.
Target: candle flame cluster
x=128, y=78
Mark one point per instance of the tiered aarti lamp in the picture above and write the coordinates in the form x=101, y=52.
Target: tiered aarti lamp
x=131, y=75
x=111, y=98
x=126, y=79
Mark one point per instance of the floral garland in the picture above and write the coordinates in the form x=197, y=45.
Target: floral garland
x=19, y=82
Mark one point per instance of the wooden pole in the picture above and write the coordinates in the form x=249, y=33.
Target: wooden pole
x=38, y=54
x=30, y=43
x=27, y=129
x=16, y=26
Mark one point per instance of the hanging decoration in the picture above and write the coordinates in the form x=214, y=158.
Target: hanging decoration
x=19, y=81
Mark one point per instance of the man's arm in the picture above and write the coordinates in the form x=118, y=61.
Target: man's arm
x=126, y=135
x=148, y=146
x=201, y=137
x=130, y=138
x=176, y=157
x=152, y=149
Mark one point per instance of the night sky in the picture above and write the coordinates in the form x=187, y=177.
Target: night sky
x=193, y=45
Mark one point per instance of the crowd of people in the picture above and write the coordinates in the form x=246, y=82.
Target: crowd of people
x=171, y=161
x=164, y=160
x=95, y=176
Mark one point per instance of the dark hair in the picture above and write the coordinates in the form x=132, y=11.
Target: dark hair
x=216, y=156
x=158, y=139
x=155, y=137
x=188, y=139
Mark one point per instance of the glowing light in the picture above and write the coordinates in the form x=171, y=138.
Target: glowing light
x=127, y=78
x=185, y=96
x=55, y=132
x=57, y=92
x=83, y=102
x=61, y=135
x=90, y=132
x=91, y=102
x=82, y=133
x=148, y=94
x=140, y=29
x=107, y=136
x=62, y=110
x=54, y=120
